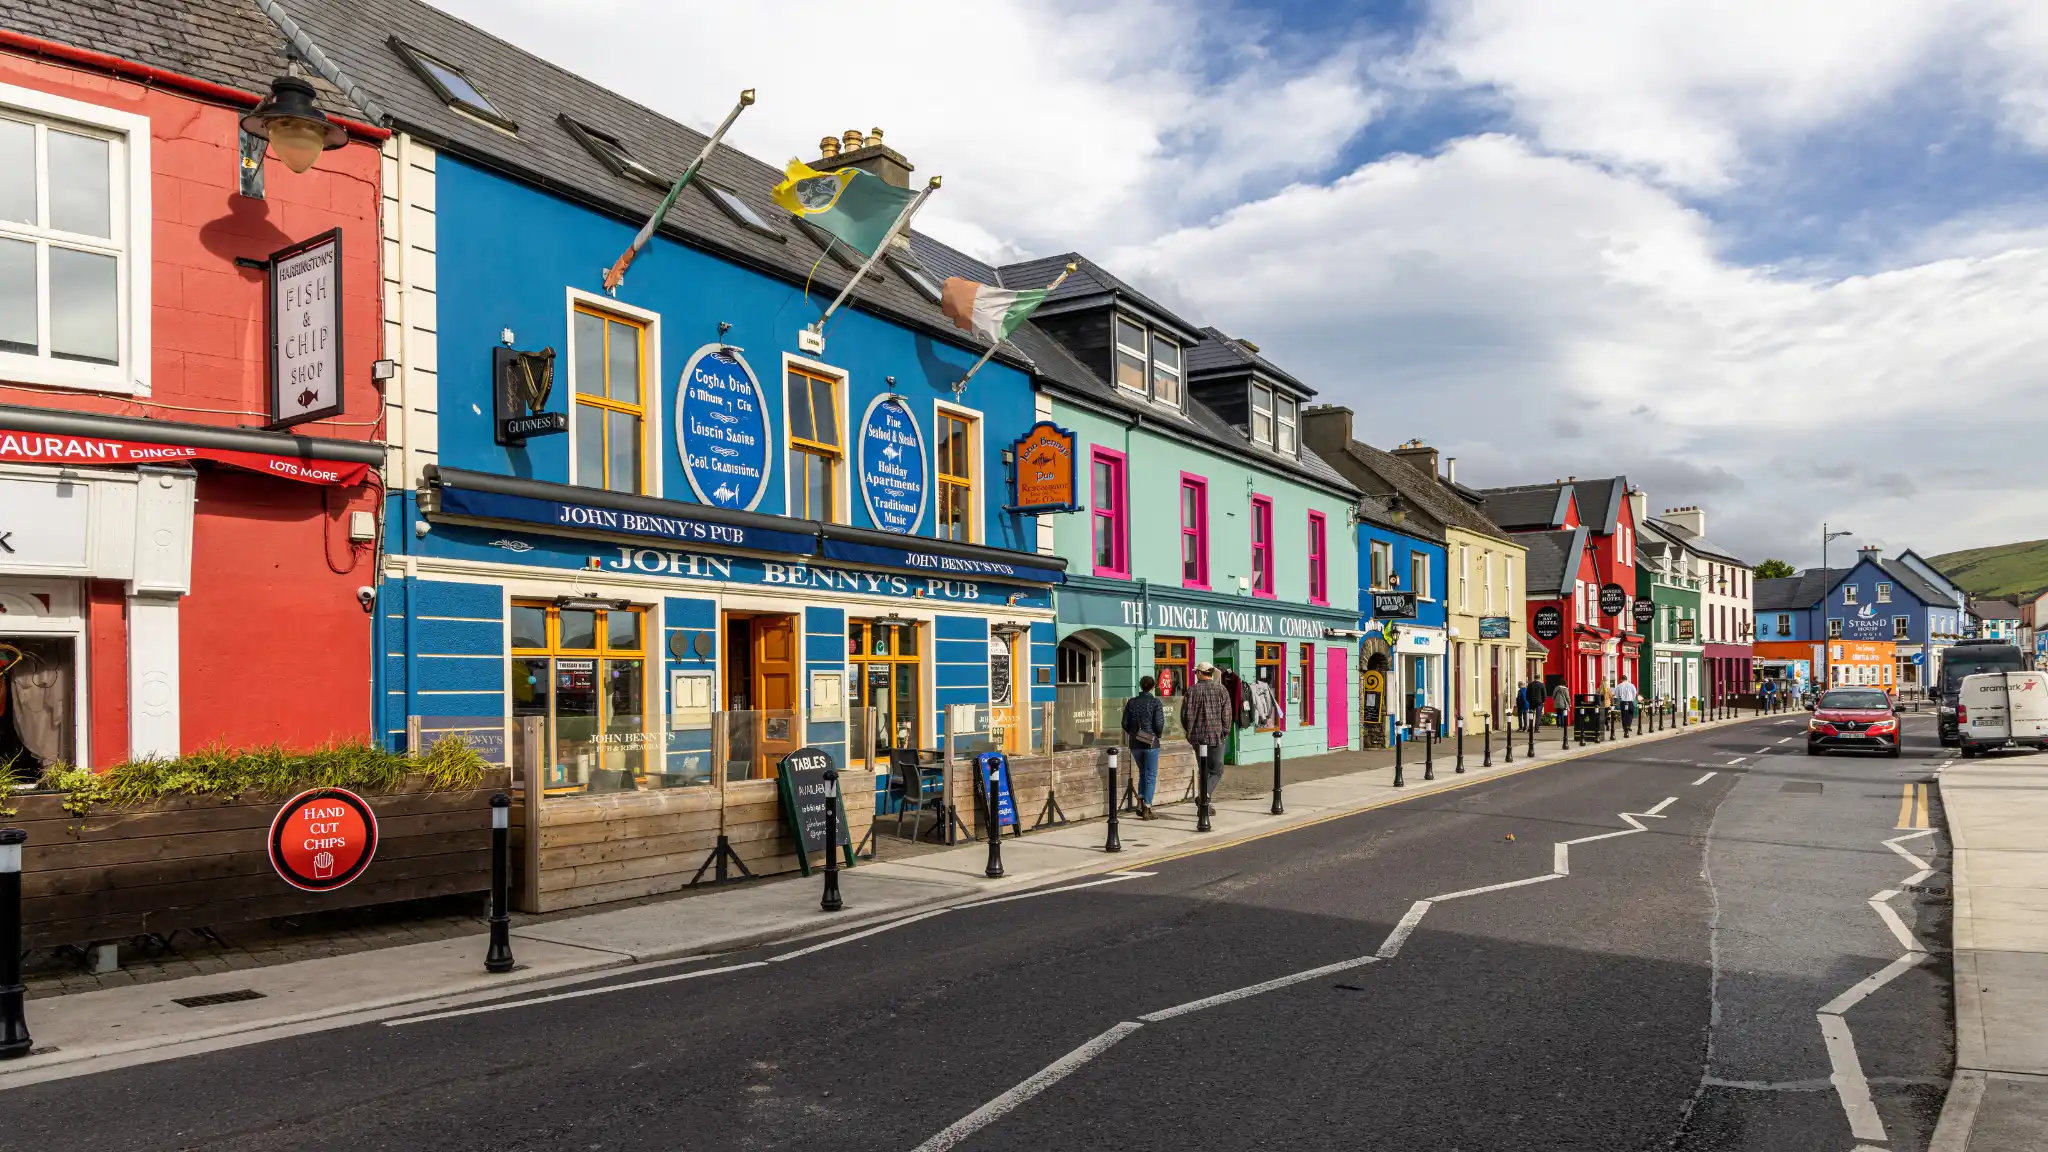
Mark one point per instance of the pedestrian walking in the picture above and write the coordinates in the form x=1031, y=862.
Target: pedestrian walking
x=1625, y=694
x=1524, y=704
x=1205, y=717
x=1144, y=727
x=1561, y=703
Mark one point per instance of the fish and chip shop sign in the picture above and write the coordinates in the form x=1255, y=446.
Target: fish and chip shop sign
x=892, y=465
x=1164, y=615
x=305, y=331
x=722, y=429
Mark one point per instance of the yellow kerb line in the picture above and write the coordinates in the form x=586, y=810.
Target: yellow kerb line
x=1913, y=806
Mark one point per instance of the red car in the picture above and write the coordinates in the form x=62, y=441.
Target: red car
x=1853, y=718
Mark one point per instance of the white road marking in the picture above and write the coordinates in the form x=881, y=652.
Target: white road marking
x=1890, y=916
x=1527, y=880
x=1734, y=762
x=879, y=928
x=1392, y=947
x=1784, y=740
x=576, y=995
x=1850, y=1085
x=1045, y=1078
x=1704, y=779
x=1251, y=990
x=1915, y=861
x=1560, y=860
x=1109, y=879
x=1666, y=802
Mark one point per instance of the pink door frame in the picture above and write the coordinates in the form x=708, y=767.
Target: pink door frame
x=1336, y=695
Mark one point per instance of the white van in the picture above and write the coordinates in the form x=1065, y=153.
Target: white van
x=2002, y=710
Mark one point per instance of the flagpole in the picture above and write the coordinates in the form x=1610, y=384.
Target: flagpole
x=616, y=274
x=960, y=387
x=902, y=219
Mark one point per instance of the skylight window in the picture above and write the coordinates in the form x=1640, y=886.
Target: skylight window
x=741, y=212
x=453, y=86
x=613, y=155
x=918, y=277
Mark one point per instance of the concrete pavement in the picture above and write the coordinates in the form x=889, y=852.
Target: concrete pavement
x=88, y=1032
x=1997, y=810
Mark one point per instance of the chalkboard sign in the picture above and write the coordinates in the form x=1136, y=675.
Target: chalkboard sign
x=1006, y=800
x=800, y=777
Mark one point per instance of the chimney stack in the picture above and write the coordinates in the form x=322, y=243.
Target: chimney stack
x=1639, y=504
x=1451, y=469
x=866, y=152
x=1326, y=428
x=1420, y=455
x=1689, y=518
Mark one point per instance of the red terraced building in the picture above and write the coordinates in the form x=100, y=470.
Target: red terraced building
x=171, y=574
x=1581, y=535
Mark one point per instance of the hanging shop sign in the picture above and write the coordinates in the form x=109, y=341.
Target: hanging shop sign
x=91, y=451
x=1393, y=605
x=1045, y=474
x=722, y=429
x=1645, y=611
x=305, y=331
x=1549, y=622
x=1494, y=628
x=322, y=839
x=1613, y=599
x=1165, y=614
x=521, y=383
x=1686, y=630
x=800, y=780
x=892, y=465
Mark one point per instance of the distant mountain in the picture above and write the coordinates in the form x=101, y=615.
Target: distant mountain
x=2001, y=570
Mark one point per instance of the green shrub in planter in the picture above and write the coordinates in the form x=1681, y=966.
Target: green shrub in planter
x=218, y=771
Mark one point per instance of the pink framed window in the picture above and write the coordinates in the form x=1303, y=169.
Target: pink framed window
x=1262, y=546
x=1110, y=513
x=1194, y=531
x=1318, y=565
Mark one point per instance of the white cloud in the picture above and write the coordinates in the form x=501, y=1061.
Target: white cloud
x=1055, y=125
x=1673, y=89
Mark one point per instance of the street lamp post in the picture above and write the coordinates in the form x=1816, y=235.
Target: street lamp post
x=1826, y=537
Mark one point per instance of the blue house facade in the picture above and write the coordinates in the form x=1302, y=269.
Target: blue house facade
x=710, y=536
x=1874, y=612
x=1402, y=557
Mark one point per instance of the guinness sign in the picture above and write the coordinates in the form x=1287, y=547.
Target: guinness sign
x=521, y=383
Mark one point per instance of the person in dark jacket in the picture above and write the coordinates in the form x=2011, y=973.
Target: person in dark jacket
x=1144, y=727
x=1205, y=717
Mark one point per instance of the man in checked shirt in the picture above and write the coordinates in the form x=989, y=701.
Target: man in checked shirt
x=1205, y=716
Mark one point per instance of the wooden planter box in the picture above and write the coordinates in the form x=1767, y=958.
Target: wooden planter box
x=619, y=845
x=196, y=861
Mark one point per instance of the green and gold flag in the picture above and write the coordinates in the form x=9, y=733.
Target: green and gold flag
x=857, y=208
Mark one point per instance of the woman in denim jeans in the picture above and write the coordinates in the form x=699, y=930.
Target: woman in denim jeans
x=1144, y=727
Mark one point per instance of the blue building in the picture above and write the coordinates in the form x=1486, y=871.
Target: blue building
x=1874, y=601
x=663, y=537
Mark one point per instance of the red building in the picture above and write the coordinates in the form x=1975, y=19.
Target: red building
x=171, y=574
x=1581, y=537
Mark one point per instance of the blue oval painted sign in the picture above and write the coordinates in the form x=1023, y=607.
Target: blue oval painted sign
x=892, y=465
x=722, y=429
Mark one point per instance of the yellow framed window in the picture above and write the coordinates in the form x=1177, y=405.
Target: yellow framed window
x=956, y=477
x=584, y=671
x=611, y=401
x=1270, y=670
x=815, y=452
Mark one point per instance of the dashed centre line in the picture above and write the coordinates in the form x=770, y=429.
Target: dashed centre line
x=1704, y=779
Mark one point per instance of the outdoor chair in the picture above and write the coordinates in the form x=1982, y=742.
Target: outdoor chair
x=916, y=787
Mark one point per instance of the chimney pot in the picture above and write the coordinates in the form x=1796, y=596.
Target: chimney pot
x=1451, y=469
x=828, y=147
x=851, y=139
x=874, y=139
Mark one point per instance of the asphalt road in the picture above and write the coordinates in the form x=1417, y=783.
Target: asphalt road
x=1661, y=993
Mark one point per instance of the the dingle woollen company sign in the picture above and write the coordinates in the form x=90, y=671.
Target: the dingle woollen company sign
x=1044, y=466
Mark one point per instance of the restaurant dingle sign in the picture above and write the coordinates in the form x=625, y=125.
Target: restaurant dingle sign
x=1045, y=469
x=1165, y=615
x=892, y=465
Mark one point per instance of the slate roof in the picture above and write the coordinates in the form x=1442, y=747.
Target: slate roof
x=1994, y=610
x=1527, y=507
x=1903, y=574
x=1059, y=368
x=1424, y=492
x=1600, y=502
x=1699, y=544
x=1090, y=285
x=225, y=42
x=1377, y=510
x=1221, y=355
x=534, y=94
x=1553, y=563
x=1791, y=593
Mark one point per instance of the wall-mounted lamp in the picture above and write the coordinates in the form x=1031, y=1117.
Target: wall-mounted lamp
x=296, y=128
x=619, y=605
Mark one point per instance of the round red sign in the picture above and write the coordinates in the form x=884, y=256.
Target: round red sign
x=323, y=839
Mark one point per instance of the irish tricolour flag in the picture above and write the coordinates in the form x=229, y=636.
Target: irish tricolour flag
x=993, y=312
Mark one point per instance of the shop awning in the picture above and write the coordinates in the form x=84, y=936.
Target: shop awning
x=539, y=504
x=84, y=439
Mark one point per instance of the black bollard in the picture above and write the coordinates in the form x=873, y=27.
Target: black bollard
x=1532, y=739
x=995, y=830
x=1202, y=788
x=832, y=901
x=1486, y=748
x=14, y=1038
x=1398, y=782
x=1507, y=746
x=1460, y=769
x=1564, y=730
x=1429, y=753
x=1610, y=725
x=1279, y=809
x=1113, y=844
x=498, y=958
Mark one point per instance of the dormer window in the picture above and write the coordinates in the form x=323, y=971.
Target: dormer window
x=1284, y=410
x=1262, y=415
x=1165, y=371
x=1130, y=356
x=454, y=87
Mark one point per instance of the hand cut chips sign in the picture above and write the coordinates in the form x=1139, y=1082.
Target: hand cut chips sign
x=322, y=839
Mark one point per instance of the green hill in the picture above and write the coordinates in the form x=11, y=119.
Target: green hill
x=2001, y=570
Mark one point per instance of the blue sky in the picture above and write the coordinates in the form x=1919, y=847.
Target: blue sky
x=1779, y=258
